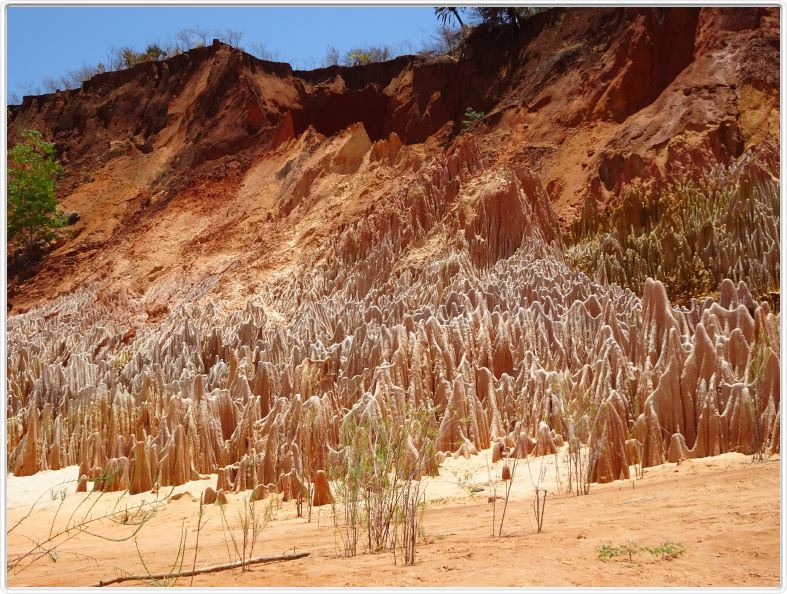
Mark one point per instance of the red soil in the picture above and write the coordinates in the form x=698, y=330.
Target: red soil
x=213, y=161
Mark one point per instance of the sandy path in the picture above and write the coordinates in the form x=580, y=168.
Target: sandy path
x=723, y=510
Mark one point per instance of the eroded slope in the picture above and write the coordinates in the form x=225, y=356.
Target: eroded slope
x=266, y=256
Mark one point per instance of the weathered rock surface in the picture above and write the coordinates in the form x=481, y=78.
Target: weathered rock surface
x=329, y=258
x=591, y=102
x=709, y=375
x=322, y=490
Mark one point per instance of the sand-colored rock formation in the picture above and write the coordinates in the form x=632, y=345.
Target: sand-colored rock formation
x=338, y=261
x=259, y=493
x=505, y=473
x=693, y=373
x=322, y=490
x=209, y=496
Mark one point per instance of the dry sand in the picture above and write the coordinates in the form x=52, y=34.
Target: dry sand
x=723, y=510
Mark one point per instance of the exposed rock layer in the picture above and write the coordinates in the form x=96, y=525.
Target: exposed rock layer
x=316, y=266
x=199, y=148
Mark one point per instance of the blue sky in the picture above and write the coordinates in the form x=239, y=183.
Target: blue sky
x=49, y=41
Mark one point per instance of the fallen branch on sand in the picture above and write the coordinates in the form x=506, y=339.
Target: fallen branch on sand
x=211, y=569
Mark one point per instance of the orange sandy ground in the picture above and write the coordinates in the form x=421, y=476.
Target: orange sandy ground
x=723, y=510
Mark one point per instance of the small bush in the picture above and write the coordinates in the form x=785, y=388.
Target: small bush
x=472, y=117
x=382, y=489
x=360, y=56
x=667, y=550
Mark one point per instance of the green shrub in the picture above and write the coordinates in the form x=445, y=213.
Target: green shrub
x=33, y=213
x=472, y=117
x=360, y=56
x=665, y=551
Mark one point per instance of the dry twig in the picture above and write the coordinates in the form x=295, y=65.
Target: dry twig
x=211, y=569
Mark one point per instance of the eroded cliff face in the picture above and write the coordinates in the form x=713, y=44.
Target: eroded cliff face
x=265, y=254
x=590, y=100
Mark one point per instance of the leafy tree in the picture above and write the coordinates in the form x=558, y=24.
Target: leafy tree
x=153, y=52
x=497, y=17
x=446, y=13
x=129, y=57
x=32, y=206
x=501, y=17
x=357, y=57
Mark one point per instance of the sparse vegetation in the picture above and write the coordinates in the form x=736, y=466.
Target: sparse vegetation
x=464, y=480
x=169, y=578
x=120, y=58
x=472, y=117
x=260, y=50
x=348, y=500
x=360, y=56
x=665, y=551
x=444, y=40
x=382, y=488
x=580, y=408
x=81, y=521
x=560, y=58
x=688, y=234
x=201, y=521
x=510, y=483
x=250, y=524
x=332, y=56
x=454, y=23
x=539, y=508
x=492, y=16
x=493, y=496
x=539, y=494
